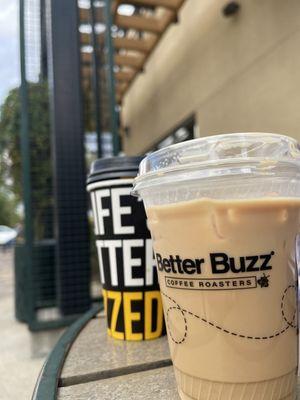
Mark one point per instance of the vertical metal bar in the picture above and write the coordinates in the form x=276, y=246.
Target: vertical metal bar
x=26, y=173
x=43, y=74
x=95, y=79
x=72, y=234
x=111, y=78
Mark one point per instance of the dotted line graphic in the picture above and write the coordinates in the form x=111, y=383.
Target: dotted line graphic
x=282, y=307
x=185, y=325
x=220, y=328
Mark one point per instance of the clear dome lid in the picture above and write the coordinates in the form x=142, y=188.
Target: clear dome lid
x=220, y=156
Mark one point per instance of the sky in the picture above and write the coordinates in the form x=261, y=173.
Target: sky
x=9, y=46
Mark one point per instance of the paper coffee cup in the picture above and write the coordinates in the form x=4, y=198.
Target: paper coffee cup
x=127, y=268
x=224, y=215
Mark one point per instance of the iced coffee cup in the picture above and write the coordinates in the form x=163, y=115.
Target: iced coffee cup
x=224, y=216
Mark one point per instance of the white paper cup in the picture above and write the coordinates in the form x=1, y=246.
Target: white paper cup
x=224, y=214
x=130, y=289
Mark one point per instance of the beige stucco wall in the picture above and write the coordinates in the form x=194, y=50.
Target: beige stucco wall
x=236, y=74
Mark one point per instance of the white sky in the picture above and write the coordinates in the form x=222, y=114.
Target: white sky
x=9, y=46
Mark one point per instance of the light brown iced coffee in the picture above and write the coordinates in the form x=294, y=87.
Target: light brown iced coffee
x=224, y=214
x=228, y=282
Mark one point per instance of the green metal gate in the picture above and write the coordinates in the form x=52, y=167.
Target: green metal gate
x=59, y=79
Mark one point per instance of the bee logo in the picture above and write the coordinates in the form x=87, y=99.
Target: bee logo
x=263, y=281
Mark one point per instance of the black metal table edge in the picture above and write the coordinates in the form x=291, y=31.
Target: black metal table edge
x=47, y=383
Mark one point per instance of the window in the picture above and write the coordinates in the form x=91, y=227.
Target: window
x=184, y=131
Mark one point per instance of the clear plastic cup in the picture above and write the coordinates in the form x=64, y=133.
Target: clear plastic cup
x=224, y=215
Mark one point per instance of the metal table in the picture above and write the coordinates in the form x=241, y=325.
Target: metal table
x=87, y=364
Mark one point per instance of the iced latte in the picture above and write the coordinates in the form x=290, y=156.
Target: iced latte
x=224, y=244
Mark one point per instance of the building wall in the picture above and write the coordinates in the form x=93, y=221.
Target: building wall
x=235, y=74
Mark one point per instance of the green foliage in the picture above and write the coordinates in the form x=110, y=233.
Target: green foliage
x=8, y=213
x=40, y=154
x=9, y=142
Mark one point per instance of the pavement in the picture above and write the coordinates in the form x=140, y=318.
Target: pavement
x=22, y=353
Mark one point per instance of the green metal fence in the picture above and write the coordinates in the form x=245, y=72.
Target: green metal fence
x=62, y=107
x=96, y=45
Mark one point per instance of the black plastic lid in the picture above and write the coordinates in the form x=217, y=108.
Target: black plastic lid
x=114, y=168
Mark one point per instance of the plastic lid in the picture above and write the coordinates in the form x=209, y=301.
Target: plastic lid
x=219, y=155
x=113, y=167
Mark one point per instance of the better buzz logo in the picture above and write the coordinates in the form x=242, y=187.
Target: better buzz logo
x=127, y=265
x=187, y=273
